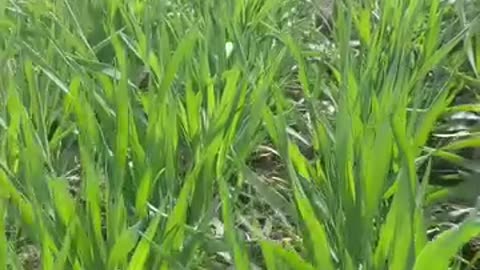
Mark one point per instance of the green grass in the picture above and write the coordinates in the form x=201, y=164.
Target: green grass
x=259, y=141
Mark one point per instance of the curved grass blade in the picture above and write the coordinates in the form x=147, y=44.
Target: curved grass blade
x=438, y=253
x=275, y=254
x=142, y=251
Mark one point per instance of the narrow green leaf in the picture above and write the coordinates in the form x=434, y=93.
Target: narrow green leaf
x=142, y=251
x=63, y=201
x=269, y=194
x=184, y=49
x=144, y=192
x=317, y=233
x=62, y=257
x=438, y=253
x=124, y=244
x=239, y=252
x=273, y=252
x=473, y=142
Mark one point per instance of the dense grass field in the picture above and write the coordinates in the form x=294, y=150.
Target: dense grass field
x=239, y=134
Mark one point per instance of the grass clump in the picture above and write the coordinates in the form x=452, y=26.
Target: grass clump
x=215, y=134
